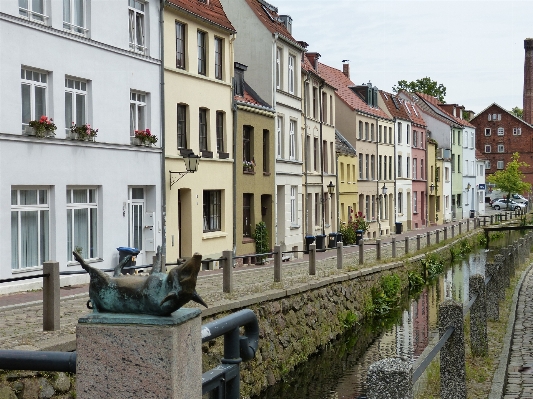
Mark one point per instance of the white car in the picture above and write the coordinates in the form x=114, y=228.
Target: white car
x=506, y=204
x=520, y=199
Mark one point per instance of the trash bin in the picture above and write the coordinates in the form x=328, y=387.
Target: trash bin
x=398, y=227
x=321, y=243
x=125, y=251
x=472, y=213
x=308, y=241
x=332, y=242
x=358, y=236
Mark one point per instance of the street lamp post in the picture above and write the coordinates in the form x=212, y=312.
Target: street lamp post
x=331, y=191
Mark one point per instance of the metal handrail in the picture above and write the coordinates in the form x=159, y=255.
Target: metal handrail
x=38, y=360
x=8, y=280
x=429, y=358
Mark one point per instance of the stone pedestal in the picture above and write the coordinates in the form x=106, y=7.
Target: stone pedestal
x=132, y=356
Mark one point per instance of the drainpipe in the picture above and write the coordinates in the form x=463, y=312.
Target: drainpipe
x=395, y=163
x=306, y=160
x=321, y=157
x=379, y=199
x=234, y=111
x=276, y=199
x=162, y=130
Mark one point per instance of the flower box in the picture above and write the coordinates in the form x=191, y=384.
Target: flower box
x=184, y=152
x=30, y=131
x=207, y=154
x=223, y=155
x=42, y=127
x=144, y=137
x=82, y=133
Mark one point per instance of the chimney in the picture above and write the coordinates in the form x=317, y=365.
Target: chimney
x=346, y=68
x=313, y=59
x=528, y=81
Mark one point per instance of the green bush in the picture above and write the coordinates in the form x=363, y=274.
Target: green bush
x=348, y=230
x=260, y=236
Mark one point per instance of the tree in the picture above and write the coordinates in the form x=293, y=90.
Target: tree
x=424, y=85
x=511, y=179
x=518, y=112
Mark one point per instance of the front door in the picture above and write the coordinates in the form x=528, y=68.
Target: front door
x=136, y=221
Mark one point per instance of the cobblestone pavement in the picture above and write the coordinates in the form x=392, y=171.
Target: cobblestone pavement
x=520, y=371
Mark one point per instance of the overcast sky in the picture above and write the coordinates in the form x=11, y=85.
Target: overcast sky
x=474, y=48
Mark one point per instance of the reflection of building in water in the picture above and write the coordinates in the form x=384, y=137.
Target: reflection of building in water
x=420, y=317
x=448, y=283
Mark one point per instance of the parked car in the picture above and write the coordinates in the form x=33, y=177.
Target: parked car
x=520, y=199
x=507, y=204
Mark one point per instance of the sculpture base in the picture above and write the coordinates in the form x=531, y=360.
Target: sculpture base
x=127, y=356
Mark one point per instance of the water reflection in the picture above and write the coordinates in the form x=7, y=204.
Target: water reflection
x=340, y=370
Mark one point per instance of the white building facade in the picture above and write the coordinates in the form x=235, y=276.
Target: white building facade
x=82, y=65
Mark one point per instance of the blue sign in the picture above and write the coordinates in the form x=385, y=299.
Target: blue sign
x=481, y=186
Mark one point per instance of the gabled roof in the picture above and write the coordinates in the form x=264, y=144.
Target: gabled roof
x=429, y=104
x=437, y=104
x=343, y=146
x=251, y=97
x=338, y=80
x=402, y=109
x=480, y=156
x=268, y=15
x=210, y=11
x=507, y=112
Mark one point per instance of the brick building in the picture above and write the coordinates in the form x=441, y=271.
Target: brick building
x=500, y=134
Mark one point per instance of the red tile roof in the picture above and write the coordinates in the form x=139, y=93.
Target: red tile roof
x=342, y=84
x=210, y=11
x=437, y=103
x=270, y=18
x=402, y=109
x=480, y=156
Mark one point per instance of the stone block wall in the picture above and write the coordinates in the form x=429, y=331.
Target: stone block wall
x=36, y=385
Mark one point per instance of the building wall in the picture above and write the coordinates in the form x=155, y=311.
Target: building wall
x=431, y=173
x=458, y=197
x=419, y=174
x=385, y=148
x=347, y=189
x=404, y=182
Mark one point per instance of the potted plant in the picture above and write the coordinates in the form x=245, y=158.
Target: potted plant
x=144, y=137
x=82, y=133
x=43, y=127
x=248, y=166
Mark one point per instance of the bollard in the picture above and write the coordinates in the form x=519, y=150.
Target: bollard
x=453, y=230
x=445, y=233
x=406, y=245
x=339, y=255
x=51, y=297
x=277, y=263
x=227, y=272
x=468, y=224
x=378, y=249
x=390, y=378
x=393, y=242
x=452, y=354
x=361, y=252
x=506, y=216
x=418, y=240
x=498, y=260
x=460, y=228
x=478, y=316
x=428, y=239
x=437, y=236
x=312, y=259
x=493, y=309
x=491, y=219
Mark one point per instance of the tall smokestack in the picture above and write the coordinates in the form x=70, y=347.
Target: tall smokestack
x=528, y=81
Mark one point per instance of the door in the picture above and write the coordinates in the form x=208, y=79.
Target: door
x=136, y=221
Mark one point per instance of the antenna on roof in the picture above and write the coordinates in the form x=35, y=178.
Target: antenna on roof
x=345, y=60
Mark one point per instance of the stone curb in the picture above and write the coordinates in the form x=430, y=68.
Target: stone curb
x=39, y=302
x=498, y=381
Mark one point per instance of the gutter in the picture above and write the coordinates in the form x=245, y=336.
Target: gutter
x=306, y=161
x=321, y=145
x=162, y=130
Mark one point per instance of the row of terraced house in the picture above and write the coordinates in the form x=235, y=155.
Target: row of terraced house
x=282, y=138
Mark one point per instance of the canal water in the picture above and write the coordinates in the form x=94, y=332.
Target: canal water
x=339, y=370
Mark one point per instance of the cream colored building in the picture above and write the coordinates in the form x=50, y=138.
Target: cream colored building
x=198, y=62
x=347, y=165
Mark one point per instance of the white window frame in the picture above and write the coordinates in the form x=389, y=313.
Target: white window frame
x=27, y=11
x=487, y=131
x=487, y=165
x=77, y=91
x=472, y=140
x=501, y=148
x=36, y=80
x=292, y=140
x=292, y=61
x=487, y=149
x=42, y=239
x=415, y=202
x=279, y=133
x=294, y=205
x=136, y=211
x=138, y=112
x=501, y=131
x=89, y=247
x=278, y=68
x=137, y=21
x=499, y=165
x=517, y=131
x=70, y=14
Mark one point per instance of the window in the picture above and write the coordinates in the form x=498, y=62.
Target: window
x=74, y=15
x=247, y=146
x=292, y=139
x=136, y=14
x=487, y=148
x=360, y=130
x=315, y=102
x=218, y=58
x=367, y=137
x=202, y=54
x=247, y=201
x=220, y=131
x=32, y=9
x=266, y=150
x=279, y=132
x=180, y=45
x=136, y=217
x=414, y=167
x=380, y=133
x=500, y=131
x=75, y=106
x=453, y=163
x=212, y=210
x=415, y=202
x=360, y=167
x=390, y=136
x=399, y=166
x=182, y=126
x=487, y=130
x=499, y=165
x=331, y=110
x=373, y=167
x=380, y=161
x=294, y=192
x=316, y=155
x=447, y=174
x=278, y=68
x=471, y=139
x=203, y=129
x=30, y=233
x=33, y=91
x=317, y=209
x=458, y=137
x=390, y=168
x=325, y=156
x=399, y=132
x=324, y=107
x=367, y=169
x=487, y=165
x=501, y=148
x=385, y=167
x=291, y=74
x=400, y=202
x=458, y=164
x=372, y=138
x=453, y=136
x=82, y=223
x=517, y=131
x=415, y=138
x=137, y=112
x=407, y=169
x=421, y=139
x=422, y=169
x=408, y=134
x=490, y=117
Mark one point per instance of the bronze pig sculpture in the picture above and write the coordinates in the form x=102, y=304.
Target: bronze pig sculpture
x=158, y=294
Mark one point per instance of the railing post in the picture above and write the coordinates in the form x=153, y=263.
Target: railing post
x=460, y=228
x=51, y=297
x=428, y=238
x=418, y=241
x=453, y=230
x=277, y=263
x=227, y=272
x=393, y=247
x=468, y=225
x=339, y=255
x=406, y=240
x=437, y=236
x=312, y=259
x=445, y=233
x=491, y=219
x=498, y=260
x=378, y=249
x=493, y=309
x=390, y=378
x=478, y=316
x=452, y=354
x=361, y=252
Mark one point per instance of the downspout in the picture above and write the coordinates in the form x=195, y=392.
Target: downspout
x=162, y=130
x=306, y=162
x=395, y=163
x=379, y=199
x=321, y=146
x=234, y=146
x=276, y=199
x=427, y=180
